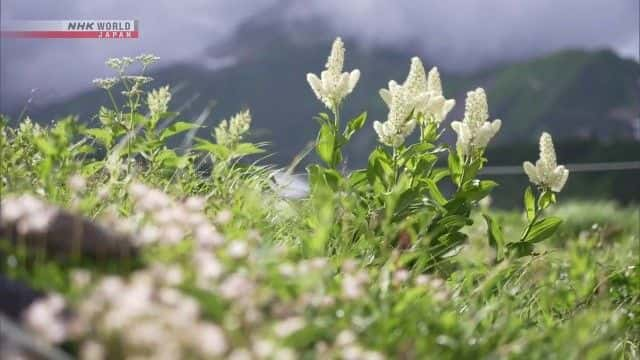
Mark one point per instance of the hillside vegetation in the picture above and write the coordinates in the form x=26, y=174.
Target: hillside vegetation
x=126, y=246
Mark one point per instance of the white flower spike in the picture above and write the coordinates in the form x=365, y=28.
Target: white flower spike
x=334, y=85
x=546, y=172
x=439, y=107
x=419, y=97
x=158, y=100
x=229, y=133
x=475, y=131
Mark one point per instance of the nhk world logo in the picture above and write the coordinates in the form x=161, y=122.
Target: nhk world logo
x=71, y=29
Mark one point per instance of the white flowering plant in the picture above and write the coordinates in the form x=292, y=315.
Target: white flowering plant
x=400, y=190
x=139, y=249
x=331, y=89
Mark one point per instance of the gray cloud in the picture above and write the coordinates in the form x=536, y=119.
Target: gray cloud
x=465, y=34
x=458, y=34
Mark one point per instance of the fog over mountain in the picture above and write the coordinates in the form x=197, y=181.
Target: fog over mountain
x=459, y=35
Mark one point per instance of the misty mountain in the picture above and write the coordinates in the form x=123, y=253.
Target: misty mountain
x=572, y=93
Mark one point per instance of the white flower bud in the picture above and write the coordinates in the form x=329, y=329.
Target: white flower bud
x=158, y=100
x=334, y=85
x=546, y=173
x=229, y=133
x=474, y=131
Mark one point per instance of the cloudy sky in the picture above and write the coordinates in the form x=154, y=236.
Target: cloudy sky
x=461, y=35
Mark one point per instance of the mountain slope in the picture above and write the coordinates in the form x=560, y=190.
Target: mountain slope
x=571, y=93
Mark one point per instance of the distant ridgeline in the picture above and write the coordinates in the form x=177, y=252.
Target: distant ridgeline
x=573, y=94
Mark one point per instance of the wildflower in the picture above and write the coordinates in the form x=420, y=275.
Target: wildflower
x=238, y=249
x=119, y=64
x=439, y=107
x=345, y=337
x=229, y=133
x=400, y=123
x=147, y=59
x=289, y=326
x=422, y=280
x=92, y=350
x=546, y=173
x=77, y=183
x=426, y=93
x=211, y=340
x=105, y=83
x=207, y=236
x=416, y=99
x=224, y=217
x=208, y=267
x=401, y=276
x=474, y=131
x=236, y=286
x=45, y=318
x=138, y=79
x=80, y=278
x=353, y=285
x=158, y=100
x=334, y=85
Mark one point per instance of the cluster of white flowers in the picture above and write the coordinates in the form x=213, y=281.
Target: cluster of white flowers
x=158, y=100
x=418, y=99
x=166, y=221
x=546, y=173
x=229, y=133
x=27, y=214
x=146, y=316
x=347, y=347
x=147, y=59
x=334, y=85
x=119, y=64
x=105, y=83
x=354, y=281
x=475, y=131
x=45, y=317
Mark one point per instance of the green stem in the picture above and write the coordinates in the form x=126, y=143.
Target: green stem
x=536, y=213
x=464, y=167
x=395, y=168
x=336, y=131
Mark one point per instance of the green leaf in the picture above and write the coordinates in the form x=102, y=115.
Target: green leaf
x=46, y=146
x=323, y=118
x=218, y=151
x=176, y=128
x=245, y=149
x=474, y=190
x=434, y=192
x=357, y=178
x=547, y=198
x=495, y=234
x=454, y=221
x=354, y=125
x=439, y=174
x=543, y=229
x=402, y=204
x=106, y=116
x=529, y=203
x=455, y=168
x=417, y=149
x=103, y=135
x=471, y=170
x=91, y=168
x=325, y=145
x=379, y=166
x=321, y=177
